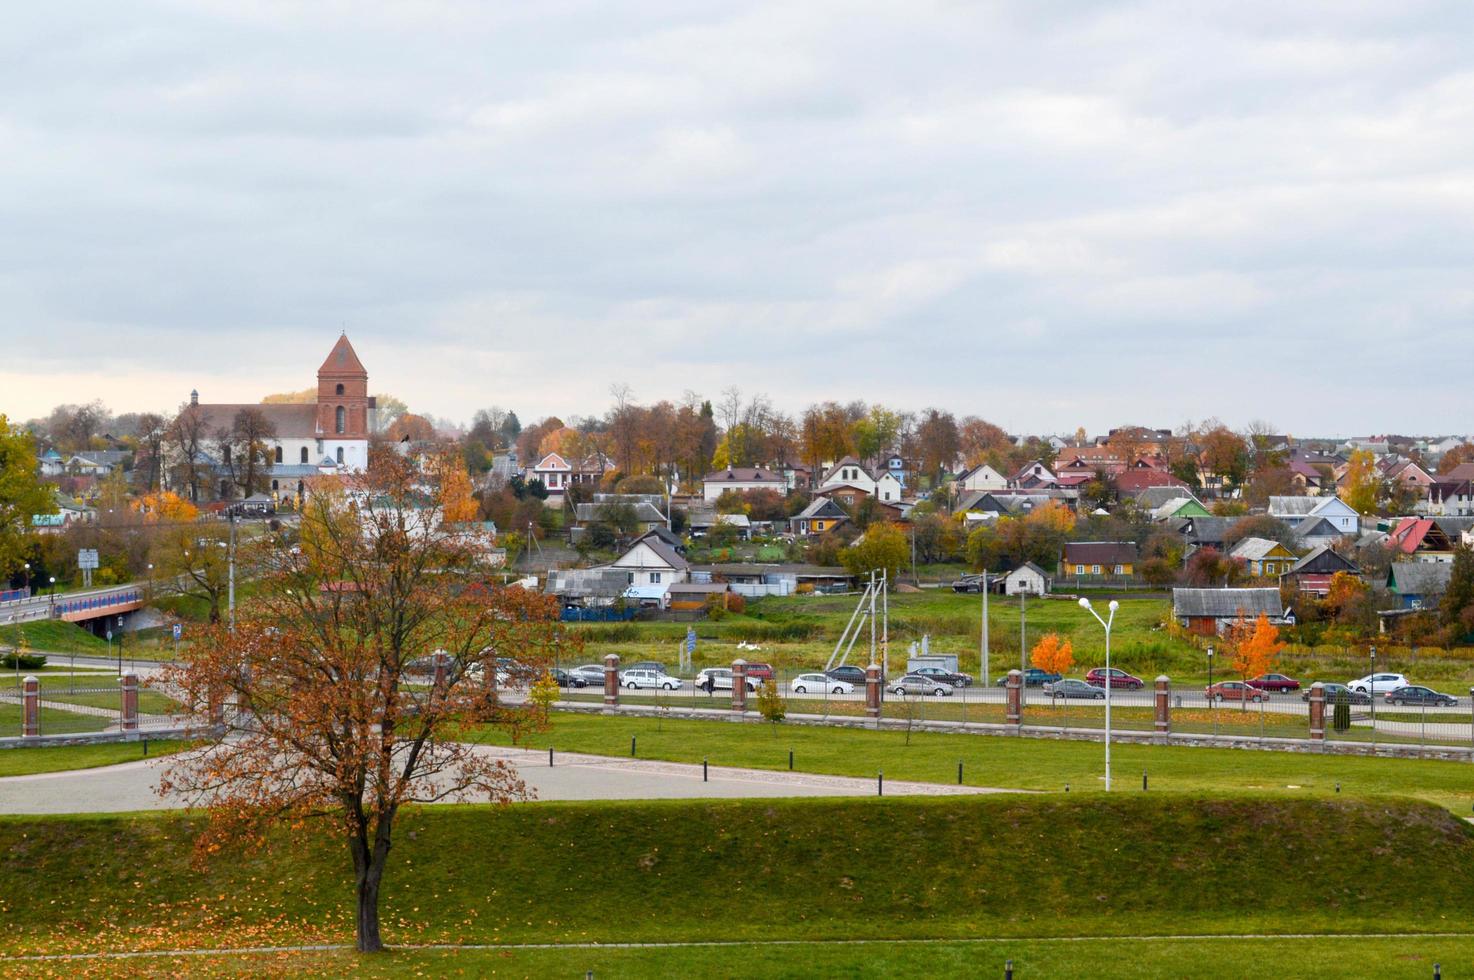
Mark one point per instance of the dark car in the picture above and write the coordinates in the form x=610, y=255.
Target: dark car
x=1033, y=677
x=968, y=583
x=566, y=679
x=848, y=673
x=1071, y=688
x=946, y=676
x=592, y=674
x=654, y=665
x=1335, y=692
x=760, y=671
x=1420, y=695
x=1277, y=683
x=1119, y=678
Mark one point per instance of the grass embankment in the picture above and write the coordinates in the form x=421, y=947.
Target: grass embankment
x=1387, y=958
x=761, y=870
x=29, y=761
x=1017, y=763
x=53, y=636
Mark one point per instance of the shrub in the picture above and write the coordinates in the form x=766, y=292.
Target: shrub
x=23, y=661
x=770, y=703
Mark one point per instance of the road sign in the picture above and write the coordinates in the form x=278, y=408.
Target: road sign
x=177, y=630
x=690, y=639
x=110, y=636
x=87, y=558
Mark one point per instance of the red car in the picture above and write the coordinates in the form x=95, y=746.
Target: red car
x=1119, y=678
x=759, y=671
x=1275, y=682
x=1235, y=691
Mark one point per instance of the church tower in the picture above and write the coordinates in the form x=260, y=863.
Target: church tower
x=343, y=401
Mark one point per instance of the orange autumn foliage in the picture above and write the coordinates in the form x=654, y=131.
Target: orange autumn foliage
x=1053, y=654
x=1256, y=649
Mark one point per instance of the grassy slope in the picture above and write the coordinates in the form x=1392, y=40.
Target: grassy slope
x=1022, y=763
x=53, y=635
x=21, y=762
x=935, y=868
x=1301, y=959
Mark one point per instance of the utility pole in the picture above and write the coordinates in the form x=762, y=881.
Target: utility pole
x=885, y=623
x=872, y=615
x=983, y=641
x=1023, y=631
x=230, y=595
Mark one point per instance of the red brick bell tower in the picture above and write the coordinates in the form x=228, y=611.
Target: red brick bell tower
x=342, y=394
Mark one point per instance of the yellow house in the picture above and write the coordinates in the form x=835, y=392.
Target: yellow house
x=1263, y=558
x=1098, y=559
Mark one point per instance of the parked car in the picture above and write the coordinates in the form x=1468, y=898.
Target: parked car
x=592, y=674
x=759, y=671
x=646, y=665
x=1119, y=678
x=921, y=684
x=955, y=678
x=1416, y=694
x=1033, y=677
x=636, y=678
x=1378, y=683
x=1275, y=682
x=968, y=583
x=818, y=684
x=1334, y=691
x=567, y=678
x=849, y=673
x=720, y=679
x=1235, y=691
x=1070, y=687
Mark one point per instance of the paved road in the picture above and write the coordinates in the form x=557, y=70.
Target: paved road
x=130, y=786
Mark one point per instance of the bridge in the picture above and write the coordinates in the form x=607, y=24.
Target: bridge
x=75, y=607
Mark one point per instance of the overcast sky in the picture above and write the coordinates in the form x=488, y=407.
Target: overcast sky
x=1048, y=213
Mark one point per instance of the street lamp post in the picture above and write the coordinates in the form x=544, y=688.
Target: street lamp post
x=1211, y=705
x=1372, y=692
x=1106, y=624
x=28, y=580
x=51, y=611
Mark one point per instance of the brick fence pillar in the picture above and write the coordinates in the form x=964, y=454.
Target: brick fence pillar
x=1013, y=690
x=129, y=684
x=440, y=670
x=872, y=691
x=1317, y=712
x=739, y=685
x=215, y=706
x=31, y=712
x=611, y=680
x=1163, y=703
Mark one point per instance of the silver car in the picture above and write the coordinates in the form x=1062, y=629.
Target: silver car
x=920, y=684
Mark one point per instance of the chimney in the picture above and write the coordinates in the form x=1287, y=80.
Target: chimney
x=194, y=397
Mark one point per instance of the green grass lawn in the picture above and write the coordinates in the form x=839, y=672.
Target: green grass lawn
x=26, y=761
x=1229, y=959
x=1020, y=763
x=1020, y=867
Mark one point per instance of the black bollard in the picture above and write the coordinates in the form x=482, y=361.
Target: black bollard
x=959, y=772
x=632, y=745
x=1338, y=787
x=550, y=757
x=1437, y=972
x=1143, y=780
x=1067, y=787
x=145, y=746
x=1008, y=970
x=790, y=760
x=880, y=783
x=703, y=770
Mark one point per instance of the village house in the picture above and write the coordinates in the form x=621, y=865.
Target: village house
x=1296, y=510
x=741, y=479
x=1096, y=559
x=1027, y=579
x=821, y=515
x=1313, y=573
x=1418, y=585
x=1208, y=612
x=1263, y=558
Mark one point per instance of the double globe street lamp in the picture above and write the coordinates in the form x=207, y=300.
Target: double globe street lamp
x=1106, y=624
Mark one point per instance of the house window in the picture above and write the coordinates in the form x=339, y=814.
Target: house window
x=1094, y=569
x=273, y=485
x=340, y=418
x=1269, y=569
x=654, y=578
x=1120, y=570
x=629, y=578
x=278, y=454
x=340, y=389
x=340, y=455
x=304, y=454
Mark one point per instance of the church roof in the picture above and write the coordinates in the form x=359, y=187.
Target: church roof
x=342, y=359
x=288, y=421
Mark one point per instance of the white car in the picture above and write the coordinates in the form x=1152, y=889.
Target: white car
x=921, y=684
x=720, y=679
x=818, y=684
x=636, y=678
x=1378, y=683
